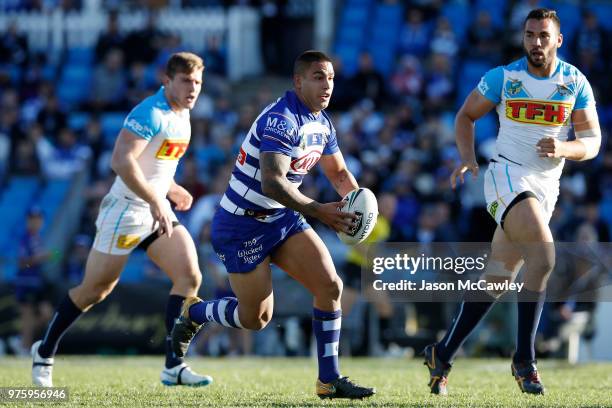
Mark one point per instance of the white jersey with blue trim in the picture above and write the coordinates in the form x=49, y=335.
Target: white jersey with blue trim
x=287, y=127
x=168, y=133
x=530, y=108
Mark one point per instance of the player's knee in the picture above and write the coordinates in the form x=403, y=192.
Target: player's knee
x=542, y=265
x=332, y=290
x=189, y=281
x=257, y=321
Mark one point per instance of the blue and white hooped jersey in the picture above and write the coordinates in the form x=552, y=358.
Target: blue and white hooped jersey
x=168, y=133
x=287, y=127
x=530, y=108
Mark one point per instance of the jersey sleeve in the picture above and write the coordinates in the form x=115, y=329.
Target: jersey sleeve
x=331, y=146
x=144, y=121
x=277, y=132
x=584, y=96
x=490, y=85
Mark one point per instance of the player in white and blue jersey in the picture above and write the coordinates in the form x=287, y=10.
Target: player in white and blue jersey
x=136, y=213
x=261, y=220
x=538, y=99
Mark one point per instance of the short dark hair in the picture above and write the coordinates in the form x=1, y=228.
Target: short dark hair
x=543, y=14
x=302, y=63
x=183, y=62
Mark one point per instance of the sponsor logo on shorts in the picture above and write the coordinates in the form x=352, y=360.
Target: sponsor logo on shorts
x=127, y=241
x=251, y=252
x=172, y=149
x=493, y=208
x=221, y=256
x=547, y=113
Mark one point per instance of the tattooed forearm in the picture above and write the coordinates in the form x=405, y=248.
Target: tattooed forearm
x=274, y=184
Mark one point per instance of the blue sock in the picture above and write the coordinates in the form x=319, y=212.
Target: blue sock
x=65, y=314
x=326, y=328
x=223, y=311
x=530, y=306
x=173, y=309
x=467, y=318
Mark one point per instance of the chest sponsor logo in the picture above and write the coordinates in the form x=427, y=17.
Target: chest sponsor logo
x=127, y=241
x=172, y=149
x=303, y=164
x=547, y=113
x=278, y=124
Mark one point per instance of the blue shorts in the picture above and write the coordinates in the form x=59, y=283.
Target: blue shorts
x=242, y=242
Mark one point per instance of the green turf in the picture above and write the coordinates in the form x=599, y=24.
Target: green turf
x=134, y=382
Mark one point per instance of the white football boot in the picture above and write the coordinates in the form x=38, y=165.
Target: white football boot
x=183, y=375
x=42, y=368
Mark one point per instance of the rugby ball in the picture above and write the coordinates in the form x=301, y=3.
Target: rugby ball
x=361, y=202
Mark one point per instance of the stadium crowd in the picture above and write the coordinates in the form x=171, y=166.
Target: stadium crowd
x=395, y=130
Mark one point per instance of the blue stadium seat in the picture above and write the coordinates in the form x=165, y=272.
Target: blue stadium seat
x=570, y=16
x=111, y=124
x=459, y=17
x=497, y=9
x=603, y=9
x=74, y=84
x=78, y=120
x=351, y=32
x=83, y=56
x=384, y=36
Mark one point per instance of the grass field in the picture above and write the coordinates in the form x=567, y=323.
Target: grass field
x=134, y=381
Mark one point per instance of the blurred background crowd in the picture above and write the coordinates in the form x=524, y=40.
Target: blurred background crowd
x=403, y=68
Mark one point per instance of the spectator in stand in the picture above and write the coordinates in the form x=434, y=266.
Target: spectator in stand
x=144, y=45
x=109, y=39
x=109, y=84
x=368, y=83
x=444, y=40
x=440, y=85
x=64, y=160
x=31, y=289
x=51, y=117
x=591, y=38
x=24, y=160
x=13, y=47
x=407, y=81
x=414, y=36
x=484, y=39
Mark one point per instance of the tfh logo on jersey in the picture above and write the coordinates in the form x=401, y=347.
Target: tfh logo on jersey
x=547, y=113
x=172, y=149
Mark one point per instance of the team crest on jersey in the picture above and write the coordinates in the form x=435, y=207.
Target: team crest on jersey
x=514, y=86
x=538, y=112
x=127, y=241
x=172, y=149
x=563, y=90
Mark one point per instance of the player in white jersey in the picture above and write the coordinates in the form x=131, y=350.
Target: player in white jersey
x=538, y=99
x=136, y=213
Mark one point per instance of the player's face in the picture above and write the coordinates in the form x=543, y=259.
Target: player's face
x=316, y=85
x=184, y=89
x=541, y=40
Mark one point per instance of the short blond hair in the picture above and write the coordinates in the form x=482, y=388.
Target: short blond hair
x=183, y=62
